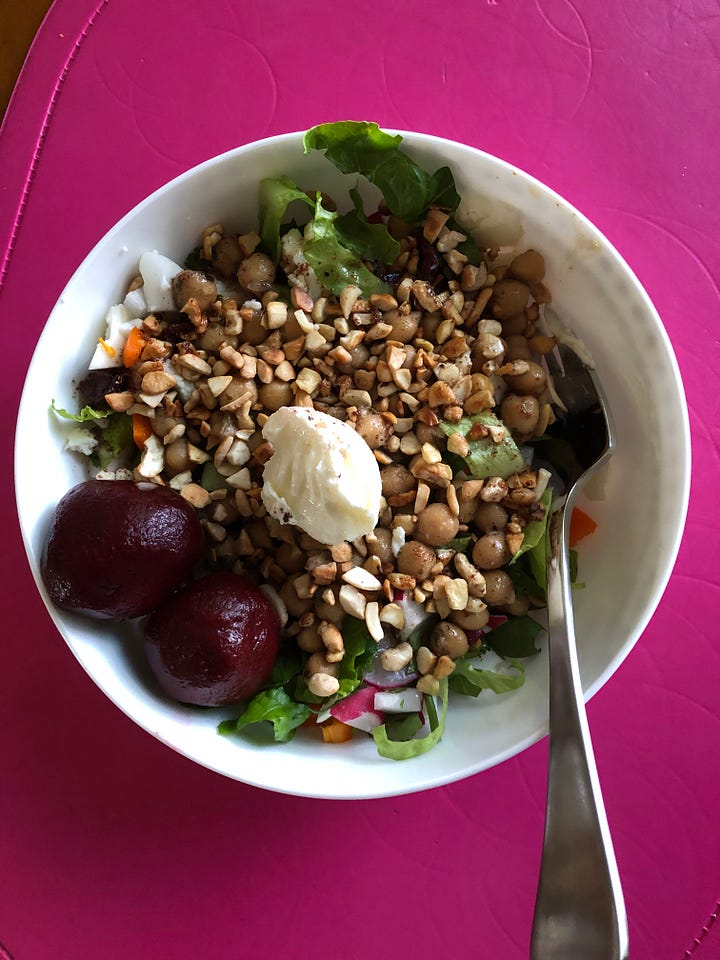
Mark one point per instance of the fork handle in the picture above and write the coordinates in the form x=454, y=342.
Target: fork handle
x=579, y=910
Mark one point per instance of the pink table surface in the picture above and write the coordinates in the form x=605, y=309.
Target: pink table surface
x=111, y=845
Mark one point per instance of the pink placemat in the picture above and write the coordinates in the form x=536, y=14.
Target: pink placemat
x=112, y=846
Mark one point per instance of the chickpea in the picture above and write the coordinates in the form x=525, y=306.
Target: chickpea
x=221, y=424
x=516, y=325
x=490, y=516
x=528, y=266
x=309, y=639
x=238, y=387
x=291, y=329
x=253, y=332
x=491, y=551
x=410, y=356
x=436, y=525
x=449, y=640
x=396, y=479
x=381, y=547
x=176, y=457
x=226, y=257
x=416, y=559
x=404, y=325
x=425, y=433
x=499, y=588
x=360, y=355
x=519, y=606
x=430, y=323
x=259, y=535
x=213, y=338
x=533, y=382
x=316, y=663
x=374, y=429
x=479, y=348
x=517, y=347
x=256, y=273
x=468, y=620
x=332, y=612
x=509, y=298
x=275, y=394
x=520, y=414
x=290, y=557
x=192, y=283
x=295, y=606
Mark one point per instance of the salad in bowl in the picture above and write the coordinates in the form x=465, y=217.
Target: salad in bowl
x=301, y=459
x=353, y=406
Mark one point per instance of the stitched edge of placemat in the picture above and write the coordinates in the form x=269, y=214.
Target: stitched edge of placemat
x=706, y=927
x=45, y=125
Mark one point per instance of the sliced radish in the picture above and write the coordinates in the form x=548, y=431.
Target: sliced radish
x=407, y=700
x=388, y=679
x=358, y=709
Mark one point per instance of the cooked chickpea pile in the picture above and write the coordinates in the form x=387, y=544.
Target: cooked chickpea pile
x=441, y=347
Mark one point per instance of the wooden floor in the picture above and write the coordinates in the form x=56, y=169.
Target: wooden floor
x=19, y=22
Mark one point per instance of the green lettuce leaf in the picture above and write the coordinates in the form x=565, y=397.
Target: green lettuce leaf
x=115, y=439
x=361, y=147
x=359, y=650
x=86, y=415
x=486, y=458
x=357, y=659
x=536, y=530
x=515, y=638
x=403, y=726
x=335, y=266
x=275, y=196
x=275, y=706
x=471, y=681
x=211, y=479
x=370, y=241
x=404, y=749
x=524, y=580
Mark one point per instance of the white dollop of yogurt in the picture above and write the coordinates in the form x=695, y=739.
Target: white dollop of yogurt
x=322, y=477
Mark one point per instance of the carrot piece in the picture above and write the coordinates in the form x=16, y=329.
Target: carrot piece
x=335, y=731
x=141, y=429
x=133, y=347
x=581, y=525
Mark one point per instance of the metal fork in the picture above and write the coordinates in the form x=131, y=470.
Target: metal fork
x=579, y=909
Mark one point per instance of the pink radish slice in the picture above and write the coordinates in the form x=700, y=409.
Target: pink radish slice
x=358, y=709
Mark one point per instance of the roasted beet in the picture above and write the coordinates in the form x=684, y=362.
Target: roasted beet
x=97, y=383
x=116, y=549
x=213, y=642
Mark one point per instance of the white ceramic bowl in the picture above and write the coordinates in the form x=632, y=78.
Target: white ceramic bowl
x=625, y=564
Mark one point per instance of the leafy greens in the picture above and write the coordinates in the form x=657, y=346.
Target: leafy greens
x=361, y=147
x=485, y=457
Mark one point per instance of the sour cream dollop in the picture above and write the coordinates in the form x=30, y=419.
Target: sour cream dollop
x=322, y=477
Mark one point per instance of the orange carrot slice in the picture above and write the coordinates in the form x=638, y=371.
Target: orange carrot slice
x=335, y=731
x=133, y=347
x=141, y=429
x=581, y=525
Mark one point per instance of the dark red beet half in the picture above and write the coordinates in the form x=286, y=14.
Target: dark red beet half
x=213, y=642
x=116, y=549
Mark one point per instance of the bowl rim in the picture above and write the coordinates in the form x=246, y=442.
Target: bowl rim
x=413, y=139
